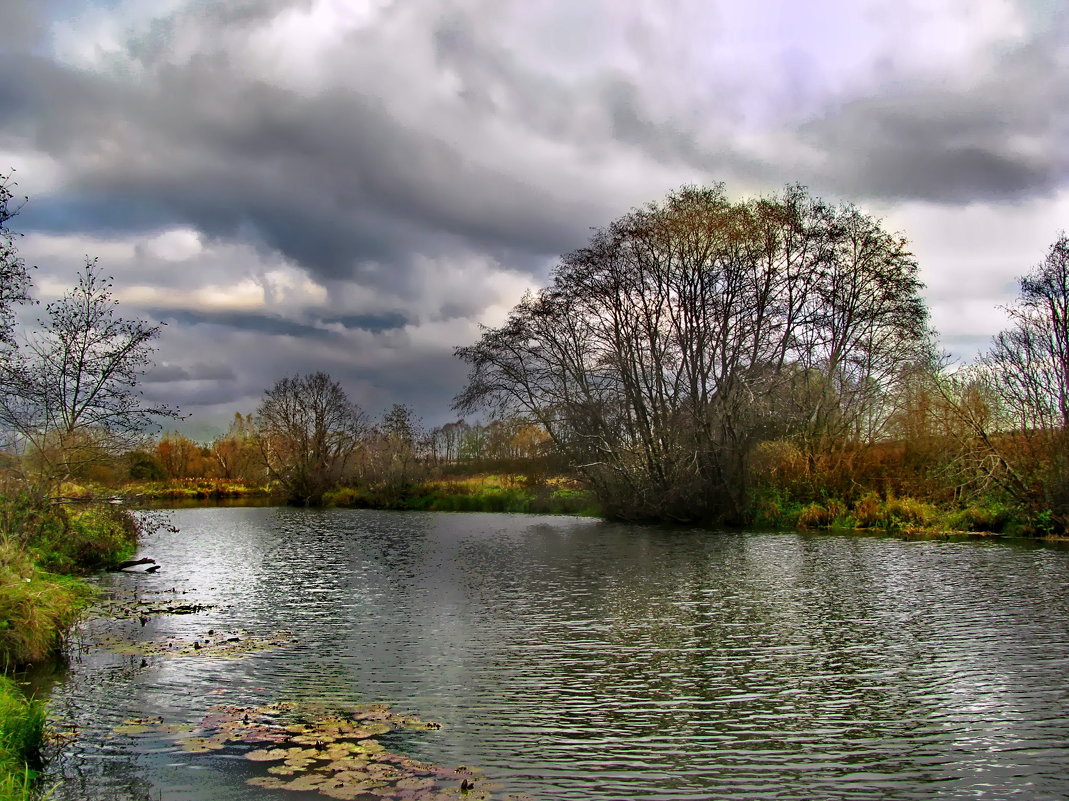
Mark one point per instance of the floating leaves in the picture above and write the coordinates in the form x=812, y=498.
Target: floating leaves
x=221, y=645
x=143, y=606
x=336, y=753
x=331, y=752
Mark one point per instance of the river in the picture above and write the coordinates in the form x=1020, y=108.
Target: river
x=569, y=658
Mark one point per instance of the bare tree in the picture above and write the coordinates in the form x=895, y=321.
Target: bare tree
x=235, y=454
x=391, y=460
x=14, y=281
x=309, y=432
x=1028, y=371
x=1031, y=359
x=686, y=333
x=72, y=384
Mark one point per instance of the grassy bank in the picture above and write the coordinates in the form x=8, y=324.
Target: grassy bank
x=483, y=493
x=193, y=489
x=44, y=546
x=905, y=515
x=36, y=608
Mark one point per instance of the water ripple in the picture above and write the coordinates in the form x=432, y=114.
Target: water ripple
x=580, y=660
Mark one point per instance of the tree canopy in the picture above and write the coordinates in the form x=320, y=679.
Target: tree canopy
x=687, y=332
x=308, y=431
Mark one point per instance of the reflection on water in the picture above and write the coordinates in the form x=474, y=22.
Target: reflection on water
x=575, y=659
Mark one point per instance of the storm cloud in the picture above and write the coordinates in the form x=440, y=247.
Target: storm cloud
x=299, y=185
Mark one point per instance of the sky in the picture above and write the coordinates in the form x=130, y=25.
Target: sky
x=356, y=185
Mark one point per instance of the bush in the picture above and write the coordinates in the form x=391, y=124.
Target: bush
x=995, y=518
x=907, y=513
x=772, y=509
x=92, y=537
x=144, y=466
x=868, y=511
x=817, y=515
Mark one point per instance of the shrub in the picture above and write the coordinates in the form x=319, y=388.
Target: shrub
x=92, y=537
x=817, y=515
x=994, y=517
x=907, y=513
x=771, y=508
x=144, y=466
x=868, y=511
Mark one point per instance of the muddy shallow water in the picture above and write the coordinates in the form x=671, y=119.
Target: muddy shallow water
x=566, y=658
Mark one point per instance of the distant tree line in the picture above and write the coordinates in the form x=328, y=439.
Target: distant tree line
x=295, y=440
x=701, y=359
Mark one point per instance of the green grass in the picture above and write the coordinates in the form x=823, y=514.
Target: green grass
x=22, y=725
x=39, y=541
x=89, y=537
x=42, y=546
x=897, y=515
x=36, y=607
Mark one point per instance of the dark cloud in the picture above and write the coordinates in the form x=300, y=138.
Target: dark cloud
x=24, y=24
x=369, y=322
x=1000, y=139
x=332, y=181
x=165, y=373
x=244, y=321
x=416, y=168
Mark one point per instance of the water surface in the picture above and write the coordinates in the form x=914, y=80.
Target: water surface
x=573, y=659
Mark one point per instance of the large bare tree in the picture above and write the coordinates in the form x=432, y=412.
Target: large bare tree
x=1027, y=369
x=1032, y=357
x=687, y=332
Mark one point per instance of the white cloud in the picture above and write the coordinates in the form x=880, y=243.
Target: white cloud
x=971, y=257
x=177, y=244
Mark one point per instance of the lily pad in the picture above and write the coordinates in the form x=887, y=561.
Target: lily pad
x=225, y=645
x=334, y=752
x=263, y=755
x=132, y=728
x=285, y=769
x=201, y=745
x=145, y=605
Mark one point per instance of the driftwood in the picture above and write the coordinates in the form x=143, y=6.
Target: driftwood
x=135, y=562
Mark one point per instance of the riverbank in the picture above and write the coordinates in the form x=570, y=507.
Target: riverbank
x=474, y=493
x=494, y=492
x=905, y=516
x=180, y=489
x=478, y=493
x=44, y=547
